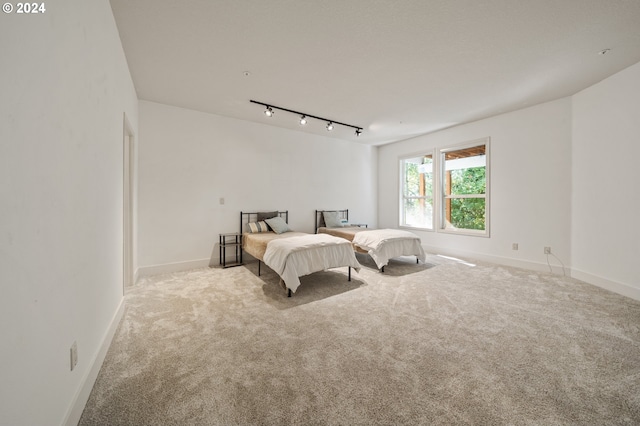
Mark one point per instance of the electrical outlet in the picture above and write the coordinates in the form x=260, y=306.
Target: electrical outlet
x=547, y=250
x=514, y=246
x=221, y=200
x=74, y=355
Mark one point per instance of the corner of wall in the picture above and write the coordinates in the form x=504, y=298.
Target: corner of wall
x=84, y=390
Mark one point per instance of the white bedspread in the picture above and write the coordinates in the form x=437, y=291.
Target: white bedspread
x=295, y=257
x=385, y=244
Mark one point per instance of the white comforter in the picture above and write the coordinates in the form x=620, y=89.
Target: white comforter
x=384, y=244
x=295, y=257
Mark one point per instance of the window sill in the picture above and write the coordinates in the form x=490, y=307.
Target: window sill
x=466, y=232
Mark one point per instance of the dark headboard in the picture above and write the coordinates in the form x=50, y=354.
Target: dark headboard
x=253, y=217
x=344, y=214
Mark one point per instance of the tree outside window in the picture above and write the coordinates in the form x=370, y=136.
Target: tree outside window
x=417, y=192
x=464, y=190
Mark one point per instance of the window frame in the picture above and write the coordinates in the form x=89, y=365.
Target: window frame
x=442, y=194
x=434, y=185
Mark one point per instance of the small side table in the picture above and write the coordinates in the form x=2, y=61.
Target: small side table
x=234, y=241
x=360, y=225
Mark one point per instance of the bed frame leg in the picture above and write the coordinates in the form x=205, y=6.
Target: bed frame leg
x=259, y=262
x=382, y=269
x=288, y=292
x=417, y=260
x=349, y=273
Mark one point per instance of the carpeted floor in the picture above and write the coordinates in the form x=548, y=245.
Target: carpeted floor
x=446, y=342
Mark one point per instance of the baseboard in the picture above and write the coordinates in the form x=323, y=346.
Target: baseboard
x=146, y=271
x=616, y=287
x=507, y=261
x=86, y=385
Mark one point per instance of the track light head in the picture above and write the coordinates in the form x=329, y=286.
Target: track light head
x=270, y=110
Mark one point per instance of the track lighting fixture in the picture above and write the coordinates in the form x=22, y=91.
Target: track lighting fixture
x=303, y=117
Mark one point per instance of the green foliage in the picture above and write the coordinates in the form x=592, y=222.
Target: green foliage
x=468, y=181
x=412, y=181
x=417, y=211
x=468, y=213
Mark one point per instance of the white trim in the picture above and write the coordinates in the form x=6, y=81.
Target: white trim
x=614, y=286
x=146, y=271
x=414, y=228
x=86, y=384
x=506, y=261
x=128, y=157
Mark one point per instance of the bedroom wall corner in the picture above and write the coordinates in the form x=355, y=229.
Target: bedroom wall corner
x=605, y=198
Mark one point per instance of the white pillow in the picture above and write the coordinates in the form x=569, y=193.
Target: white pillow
x=277, y=224
x=332, y=219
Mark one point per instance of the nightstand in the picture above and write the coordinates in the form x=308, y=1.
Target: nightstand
x=234, y=241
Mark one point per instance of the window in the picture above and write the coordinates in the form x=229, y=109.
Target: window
x=464, y=189
x=416, y=205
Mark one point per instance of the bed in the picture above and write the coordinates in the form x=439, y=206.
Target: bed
x=267, y=237
x=381, y=244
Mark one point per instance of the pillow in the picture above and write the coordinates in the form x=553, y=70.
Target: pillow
x=277, y=224
x=254, y=227
x=266, y=215
x=332, y=219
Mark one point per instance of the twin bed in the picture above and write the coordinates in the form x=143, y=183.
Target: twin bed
x=267, y=237
x=381, y=244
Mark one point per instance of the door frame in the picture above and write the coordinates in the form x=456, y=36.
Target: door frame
x=128, y=177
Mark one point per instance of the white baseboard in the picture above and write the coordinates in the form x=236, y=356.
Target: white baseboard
x=146, y=271
x=86, y=385
x=507, y=261
x=616, y=287
x=620, y=288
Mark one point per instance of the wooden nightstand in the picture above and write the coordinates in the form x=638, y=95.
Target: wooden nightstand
x=234, y=241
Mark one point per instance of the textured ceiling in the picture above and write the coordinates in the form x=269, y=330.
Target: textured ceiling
x=395, y=68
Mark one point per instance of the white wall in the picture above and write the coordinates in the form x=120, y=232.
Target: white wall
x=530, y=160
x=606, y=175
x=189, y=160
x=65, y=86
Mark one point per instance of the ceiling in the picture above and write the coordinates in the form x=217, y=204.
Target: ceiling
x=396, y=68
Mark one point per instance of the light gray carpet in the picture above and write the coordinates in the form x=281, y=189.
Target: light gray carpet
x=442, y=343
